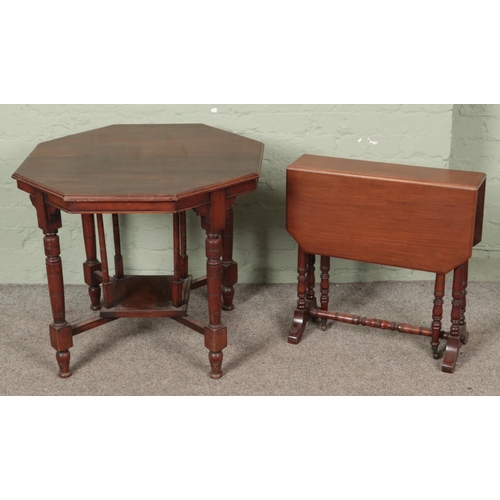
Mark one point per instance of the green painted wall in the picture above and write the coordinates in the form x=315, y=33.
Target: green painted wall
x=408, y=134
x=476, y=146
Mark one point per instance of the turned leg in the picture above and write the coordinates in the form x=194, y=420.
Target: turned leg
x=454, y=340
x=213, y=221
x=301, y=316
x=61, y=337
x=463, y=325
x=325, y=287
x=106, y=283
x=437, y=313
x=183, y=256
x=118, y=253
x=91, y=264
x=229, y=267
x=311, y=282
x=177, y=283
x=310, y=279
x=215, y=333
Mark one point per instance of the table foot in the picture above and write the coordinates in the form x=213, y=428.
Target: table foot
x=451, y=354
x=228, y=308
x=95, y=298
x=215, y=342
x=300, y=319
x=62, y=358
x=215, y=359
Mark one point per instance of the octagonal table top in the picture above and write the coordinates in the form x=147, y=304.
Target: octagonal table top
x=146, y=163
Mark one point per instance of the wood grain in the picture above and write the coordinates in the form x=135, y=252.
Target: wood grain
x=412, y=217
x=124, y=169
x=397, y=215
x=141, y=163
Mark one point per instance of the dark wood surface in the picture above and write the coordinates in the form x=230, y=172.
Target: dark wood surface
x=370, y=212
x=148, y=296
x=91, y=265
x=413, y=217
x=138, y=169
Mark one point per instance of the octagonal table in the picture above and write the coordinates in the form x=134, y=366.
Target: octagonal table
x=125, y=169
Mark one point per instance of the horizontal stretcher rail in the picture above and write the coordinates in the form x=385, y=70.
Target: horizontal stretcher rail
x=192, y=323
x=372, y=322
x=88, y=324
x=198, y=283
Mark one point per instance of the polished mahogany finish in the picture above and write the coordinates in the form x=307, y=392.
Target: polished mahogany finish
x=412, y=217
x=138, y=169
x=91, y=265
x=382, y=208
x=437, y=313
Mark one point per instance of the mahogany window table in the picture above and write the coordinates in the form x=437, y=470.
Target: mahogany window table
x=418, y=218
x=137, y=169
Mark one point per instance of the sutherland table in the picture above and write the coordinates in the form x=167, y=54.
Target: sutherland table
x=413, y=217
x=125, y=169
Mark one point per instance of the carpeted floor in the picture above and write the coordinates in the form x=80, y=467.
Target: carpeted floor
x=161, y=357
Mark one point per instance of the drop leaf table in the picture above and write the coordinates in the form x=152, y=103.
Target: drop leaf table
x=138, y=169
x=418, y=218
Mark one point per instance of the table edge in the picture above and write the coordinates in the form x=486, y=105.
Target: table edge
x=130, y=198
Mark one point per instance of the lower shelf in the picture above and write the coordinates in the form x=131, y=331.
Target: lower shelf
x=145, y=296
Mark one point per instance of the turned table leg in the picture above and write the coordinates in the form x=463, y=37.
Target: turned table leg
x=177, y=283
x=215, y=333
x=60, y=331
x=325, y=287
x=106, y=283
x=300, y=316
x=183, y=256
x=463, y=325
x=311, y=282
x=91, y=264
x=437, y=313
x=119, y=273
x=229, y=267
x=454, y=340
x=61, y=335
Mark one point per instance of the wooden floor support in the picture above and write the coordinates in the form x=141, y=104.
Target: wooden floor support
x=119, y=273
x=307, y=309
x=229, y=266
x=325, y=287
x=91, y=265
x=372, y=322
x=129, y=170
x=456, y=336
x=437, y=313
x=301, y=315
x=409, y=217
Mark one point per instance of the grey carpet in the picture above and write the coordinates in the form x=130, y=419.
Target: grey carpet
x=161, y=357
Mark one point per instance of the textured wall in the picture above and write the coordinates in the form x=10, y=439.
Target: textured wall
x=409, y=134
x=476, y=146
